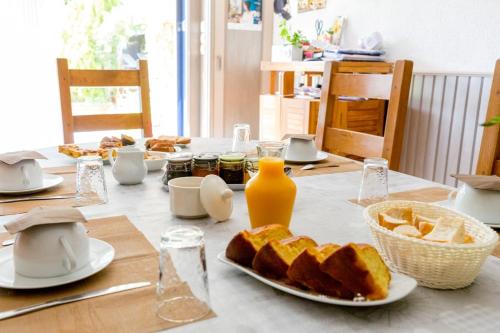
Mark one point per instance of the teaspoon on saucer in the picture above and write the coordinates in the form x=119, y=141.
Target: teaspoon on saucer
x=318, y=166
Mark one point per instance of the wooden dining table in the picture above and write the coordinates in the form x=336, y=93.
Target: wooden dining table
x=322, y=211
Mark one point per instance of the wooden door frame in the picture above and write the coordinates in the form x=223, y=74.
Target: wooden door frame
x=218, y=26
x=217, y=55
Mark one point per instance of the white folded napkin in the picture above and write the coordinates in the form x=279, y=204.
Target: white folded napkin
x=44, y=215
x=17, y=156
x=491, y=183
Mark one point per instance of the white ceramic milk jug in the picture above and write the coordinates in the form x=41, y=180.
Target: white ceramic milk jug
x=129, y=167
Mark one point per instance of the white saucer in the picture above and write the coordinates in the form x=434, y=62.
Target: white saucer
x=101, y=255
x=401, y=286
x=320, y=156
x=49, y=181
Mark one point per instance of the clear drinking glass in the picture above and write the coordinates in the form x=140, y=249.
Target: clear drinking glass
x=90, y=181
x=182, y=290
x=241, y=138
x=271, y=149
x=374, y=186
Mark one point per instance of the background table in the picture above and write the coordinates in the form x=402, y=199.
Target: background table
x=321, y=211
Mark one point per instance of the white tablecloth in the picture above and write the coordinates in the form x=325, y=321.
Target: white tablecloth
x=322, y=212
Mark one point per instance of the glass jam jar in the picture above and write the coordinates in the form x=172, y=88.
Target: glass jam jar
x=205, y=164
x=232, y=167
x=179, y=165
x=251, y=168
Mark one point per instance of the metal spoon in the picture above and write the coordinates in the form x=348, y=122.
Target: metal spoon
x=8, y=242
x=318, y=166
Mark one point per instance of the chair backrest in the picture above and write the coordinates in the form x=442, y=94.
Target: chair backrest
x=103, y=78
x=488, y=162
x=393, y=87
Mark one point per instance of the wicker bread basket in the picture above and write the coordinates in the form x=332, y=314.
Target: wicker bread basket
x=433, y=265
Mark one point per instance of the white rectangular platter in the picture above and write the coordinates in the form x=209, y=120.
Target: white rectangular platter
x=401, y=286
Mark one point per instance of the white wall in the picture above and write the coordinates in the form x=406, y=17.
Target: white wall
x=438, y=35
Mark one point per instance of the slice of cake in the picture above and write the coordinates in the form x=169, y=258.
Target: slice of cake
x=305, y=271
x=274, y=258
x=244, y=246
x=359, y=268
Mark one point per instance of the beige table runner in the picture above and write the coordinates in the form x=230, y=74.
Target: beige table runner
x=345, y=165
x=426, y=194
x=131, y=311
x=67, y=187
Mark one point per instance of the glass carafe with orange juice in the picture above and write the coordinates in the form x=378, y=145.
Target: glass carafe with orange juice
x=270, y=194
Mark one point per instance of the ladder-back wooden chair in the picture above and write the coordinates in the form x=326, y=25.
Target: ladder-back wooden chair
x=103, y=78
x=488, y=162
x=393, y=87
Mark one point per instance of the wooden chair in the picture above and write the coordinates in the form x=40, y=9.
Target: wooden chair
x=393, y=87
x=103, y=78
x=489, y=154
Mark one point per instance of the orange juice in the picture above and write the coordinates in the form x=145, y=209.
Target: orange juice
x=270, y=194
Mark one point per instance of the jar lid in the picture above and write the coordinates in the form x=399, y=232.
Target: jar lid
x=232, y=157
x=180, y=157
x=206, y=157
x=216, y=198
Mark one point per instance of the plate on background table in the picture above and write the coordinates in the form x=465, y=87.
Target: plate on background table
x=234, y=187
x=101, y=255
x=401, y=286
x=320, y=156
x=156, y=161
x=49, y=181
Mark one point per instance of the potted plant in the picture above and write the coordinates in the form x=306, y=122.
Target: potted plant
x=493, y=121
x=295, y=39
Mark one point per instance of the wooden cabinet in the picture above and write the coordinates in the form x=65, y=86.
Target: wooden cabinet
x=282, y=113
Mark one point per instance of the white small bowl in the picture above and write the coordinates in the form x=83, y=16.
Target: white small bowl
x=185, y=198
x=195, y=197
x=156, y=164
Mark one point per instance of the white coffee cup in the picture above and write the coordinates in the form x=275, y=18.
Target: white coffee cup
x=23, y=175
x=50, y=250
x=185, y=198
x=301, y=149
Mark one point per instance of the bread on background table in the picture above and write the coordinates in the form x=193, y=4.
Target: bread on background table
x=244, y=246
x=275, y=257
x=359, y=268
x=305, y=270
